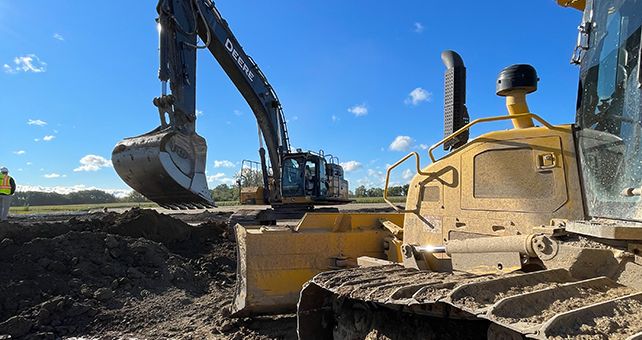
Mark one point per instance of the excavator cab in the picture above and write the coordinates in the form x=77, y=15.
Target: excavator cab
x=309, y=177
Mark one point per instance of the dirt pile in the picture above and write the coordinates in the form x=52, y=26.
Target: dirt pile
x=137, y=274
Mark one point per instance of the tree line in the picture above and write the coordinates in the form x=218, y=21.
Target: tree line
x=393, y=191
x=220, y=193
x=36, y=198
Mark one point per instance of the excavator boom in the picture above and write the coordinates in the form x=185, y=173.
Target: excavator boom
x=167, y=165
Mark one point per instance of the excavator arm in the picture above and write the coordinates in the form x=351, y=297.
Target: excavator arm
x=167, y=164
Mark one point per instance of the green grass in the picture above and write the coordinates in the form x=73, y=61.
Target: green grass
x=41, y=209
x=44, y=209
x=379, y=199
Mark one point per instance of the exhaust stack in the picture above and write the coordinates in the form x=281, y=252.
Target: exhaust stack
x=455, y=112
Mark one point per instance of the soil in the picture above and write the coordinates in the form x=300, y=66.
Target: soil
x=619, y=321
x=139, y=274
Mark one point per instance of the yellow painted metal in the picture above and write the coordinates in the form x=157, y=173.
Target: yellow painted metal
x=273, y=263
x=516, y=104
x=252, y=195
x=484, y=120
x=577, y=4
x=297, y=200
x=389, y=171
x=501, y=183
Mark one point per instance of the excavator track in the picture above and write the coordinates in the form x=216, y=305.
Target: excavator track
x=369, y=302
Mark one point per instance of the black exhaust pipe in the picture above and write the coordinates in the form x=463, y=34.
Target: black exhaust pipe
x=455, y=112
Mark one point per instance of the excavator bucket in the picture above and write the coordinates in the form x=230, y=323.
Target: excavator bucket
x=274, y=262
x=166, y=166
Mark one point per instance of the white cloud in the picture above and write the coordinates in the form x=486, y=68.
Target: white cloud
x=335, y=118
x=293, y=119
x=358, y=110
x=58, y=36
x=417, y=96
x=223, y=164
x=238, y=112
x=19, y=152
x=36, y=139
x=351, y=166
x=220, y=178
x=419, y=27
x=48, y=138
x=29, y=163
x=375, y=178
x=69, y=189
x=36, y=122
x=92, y=163
x=401, y=143
x=215, y=177
x=52, y=175
x=26, y=63
x=199, y=113
x=424, y=146
x=407, y=174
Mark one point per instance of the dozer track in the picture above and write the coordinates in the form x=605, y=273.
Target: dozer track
x=547, y=304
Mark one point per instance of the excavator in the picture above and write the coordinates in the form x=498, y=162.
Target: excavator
x=530, y=232
x=167, y=165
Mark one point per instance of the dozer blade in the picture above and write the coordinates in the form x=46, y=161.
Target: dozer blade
x=166, y=166
x=274, y=262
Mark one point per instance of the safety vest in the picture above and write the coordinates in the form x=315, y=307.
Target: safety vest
x=5, y=184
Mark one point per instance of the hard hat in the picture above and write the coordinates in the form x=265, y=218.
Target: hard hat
x=4, y=170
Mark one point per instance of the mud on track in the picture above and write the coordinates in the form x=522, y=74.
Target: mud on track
x=138, y=274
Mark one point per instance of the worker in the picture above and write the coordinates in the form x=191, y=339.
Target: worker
x=309, y=180
x=7, y=188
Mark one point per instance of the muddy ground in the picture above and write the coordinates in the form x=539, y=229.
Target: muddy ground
x=137, y=274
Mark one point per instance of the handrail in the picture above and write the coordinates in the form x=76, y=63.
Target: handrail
x=385, y=189
x=450, y=137
x=483, y=120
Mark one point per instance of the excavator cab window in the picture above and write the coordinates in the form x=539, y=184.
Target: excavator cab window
x=293, y=176
x=610, y=111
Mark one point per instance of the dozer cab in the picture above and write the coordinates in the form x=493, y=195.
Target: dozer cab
x=530, y=232
x=167, y=165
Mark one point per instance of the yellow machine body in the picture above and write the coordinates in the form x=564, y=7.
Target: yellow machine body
x=252, y=195
x=500, y=184
x=499, y=229
x=275, y=262
x=577, y=4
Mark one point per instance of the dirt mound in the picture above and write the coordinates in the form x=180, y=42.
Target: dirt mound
x=137, y=274
x=148, y=224
x=77, y=271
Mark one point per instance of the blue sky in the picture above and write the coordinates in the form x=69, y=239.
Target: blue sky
x=353, y=77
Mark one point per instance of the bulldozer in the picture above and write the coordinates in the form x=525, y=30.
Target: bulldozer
x=530, y=232
x=251, y=191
